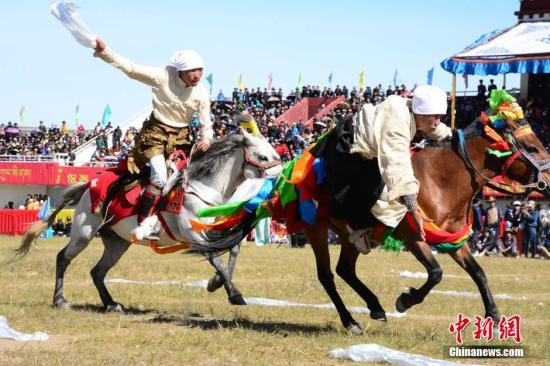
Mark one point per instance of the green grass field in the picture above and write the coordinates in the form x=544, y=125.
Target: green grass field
x=176, y=325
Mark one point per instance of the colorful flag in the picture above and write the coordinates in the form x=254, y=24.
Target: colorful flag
x=300, y=80
x=330, y=80
x=76, y=114
x=465, y=77
x=395, y=77
x=22, y=112
x=210, y=79
x=106, y=115
x=430, y=76
x=44, y=211
x=240, y=83
x=362, y=80
x=269, y=81
x=43, y=215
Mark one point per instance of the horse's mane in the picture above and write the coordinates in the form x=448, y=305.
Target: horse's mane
x=472, y=130
x=204, y=164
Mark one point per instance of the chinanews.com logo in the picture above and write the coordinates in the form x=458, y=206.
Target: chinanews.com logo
x=485, y=329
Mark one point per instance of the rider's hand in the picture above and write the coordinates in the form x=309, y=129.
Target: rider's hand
x=202, y=145
x=100, y=45
x=419, y=221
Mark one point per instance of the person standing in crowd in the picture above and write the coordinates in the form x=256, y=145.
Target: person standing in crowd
x=494, y=215
x=481, y=90
x=117, y=135
x=177, y=94
x=513, y=216
x=530, y=221
x=477, y=224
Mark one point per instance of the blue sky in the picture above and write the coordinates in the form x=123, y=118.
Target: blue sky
x=43, y=68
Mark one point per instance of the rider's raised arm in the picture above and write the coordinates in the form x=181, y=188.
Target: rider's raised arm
x=153, y=76
x=394, y=159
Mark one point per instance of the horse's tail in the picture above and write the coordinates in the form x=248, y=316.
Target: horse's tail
x=71, y=196
x=220, y=242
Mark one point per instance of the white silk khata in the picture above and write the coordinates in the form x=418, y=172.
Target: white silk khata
x=67, y=14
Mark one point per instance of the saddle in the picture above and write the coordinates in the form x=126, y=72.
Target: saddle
x=115, y=193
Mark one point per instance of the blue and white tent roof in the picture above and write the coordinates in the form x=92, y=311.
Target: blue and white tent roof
x=523, y=48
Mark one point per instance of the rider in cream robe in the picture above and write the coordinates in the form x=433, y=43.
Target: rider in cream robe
x=385, y=133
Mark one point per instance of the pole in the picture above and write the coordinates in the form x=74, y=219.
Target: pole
x=453, y=102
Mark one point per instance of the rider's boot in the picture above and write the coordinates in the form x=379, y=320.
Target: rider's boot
x=147, y=219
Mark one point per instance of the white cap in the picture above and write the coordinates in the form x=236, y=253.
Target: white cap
x=516, y=203
x=185, y=60
x=428, y=99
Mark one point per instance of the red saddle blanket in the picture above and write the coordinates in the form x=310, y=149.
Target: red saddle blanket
x=125, y=202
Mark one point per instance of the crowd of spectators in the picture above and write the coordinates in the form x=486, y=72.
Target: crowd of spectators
x=43, y=141
x=288, y=137
x=32, y=202
x=523, y=228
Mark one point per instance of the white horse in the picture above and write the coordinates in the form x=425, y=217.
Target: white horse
x=213, y=176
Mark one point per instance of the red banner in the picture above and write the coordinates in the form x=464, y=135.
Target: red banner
x=51, y=174
x=16, y=222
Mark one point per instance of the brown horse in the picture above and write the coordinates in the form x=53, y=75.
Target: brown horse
x=449, y=178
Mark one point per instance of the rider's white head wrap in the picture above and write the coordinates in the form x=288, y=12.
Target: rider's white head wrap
x=428, y=99
x=185, y=60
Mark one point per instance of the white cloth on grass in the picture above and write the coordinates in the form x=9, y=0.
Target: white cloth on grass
x=376, y=353
x=7, y=333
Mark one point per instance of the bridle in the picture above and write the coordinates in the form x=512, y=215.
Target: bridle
x=536, y=180
x=262, y=167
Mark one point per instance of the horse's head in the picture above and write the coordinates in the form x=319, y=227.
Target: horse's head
x=261, y=160
x=530, y=162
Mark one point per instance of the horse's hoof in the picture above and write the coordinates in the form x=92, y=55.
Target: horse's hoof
x=214, y=283
x=354, y=329
x=62, y=304
x=114, y=308
x=399, y=305
x=379, y=315
x=237, y=299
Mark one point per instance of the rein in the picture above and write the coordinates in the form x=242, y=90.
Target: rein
x=262, y=167
x=518, y=150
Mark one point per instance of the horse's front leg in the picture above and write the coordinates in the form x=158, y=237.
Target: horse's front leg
x=346, y=268
x=423, y=253
x=466, y=260
x=317, y=234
